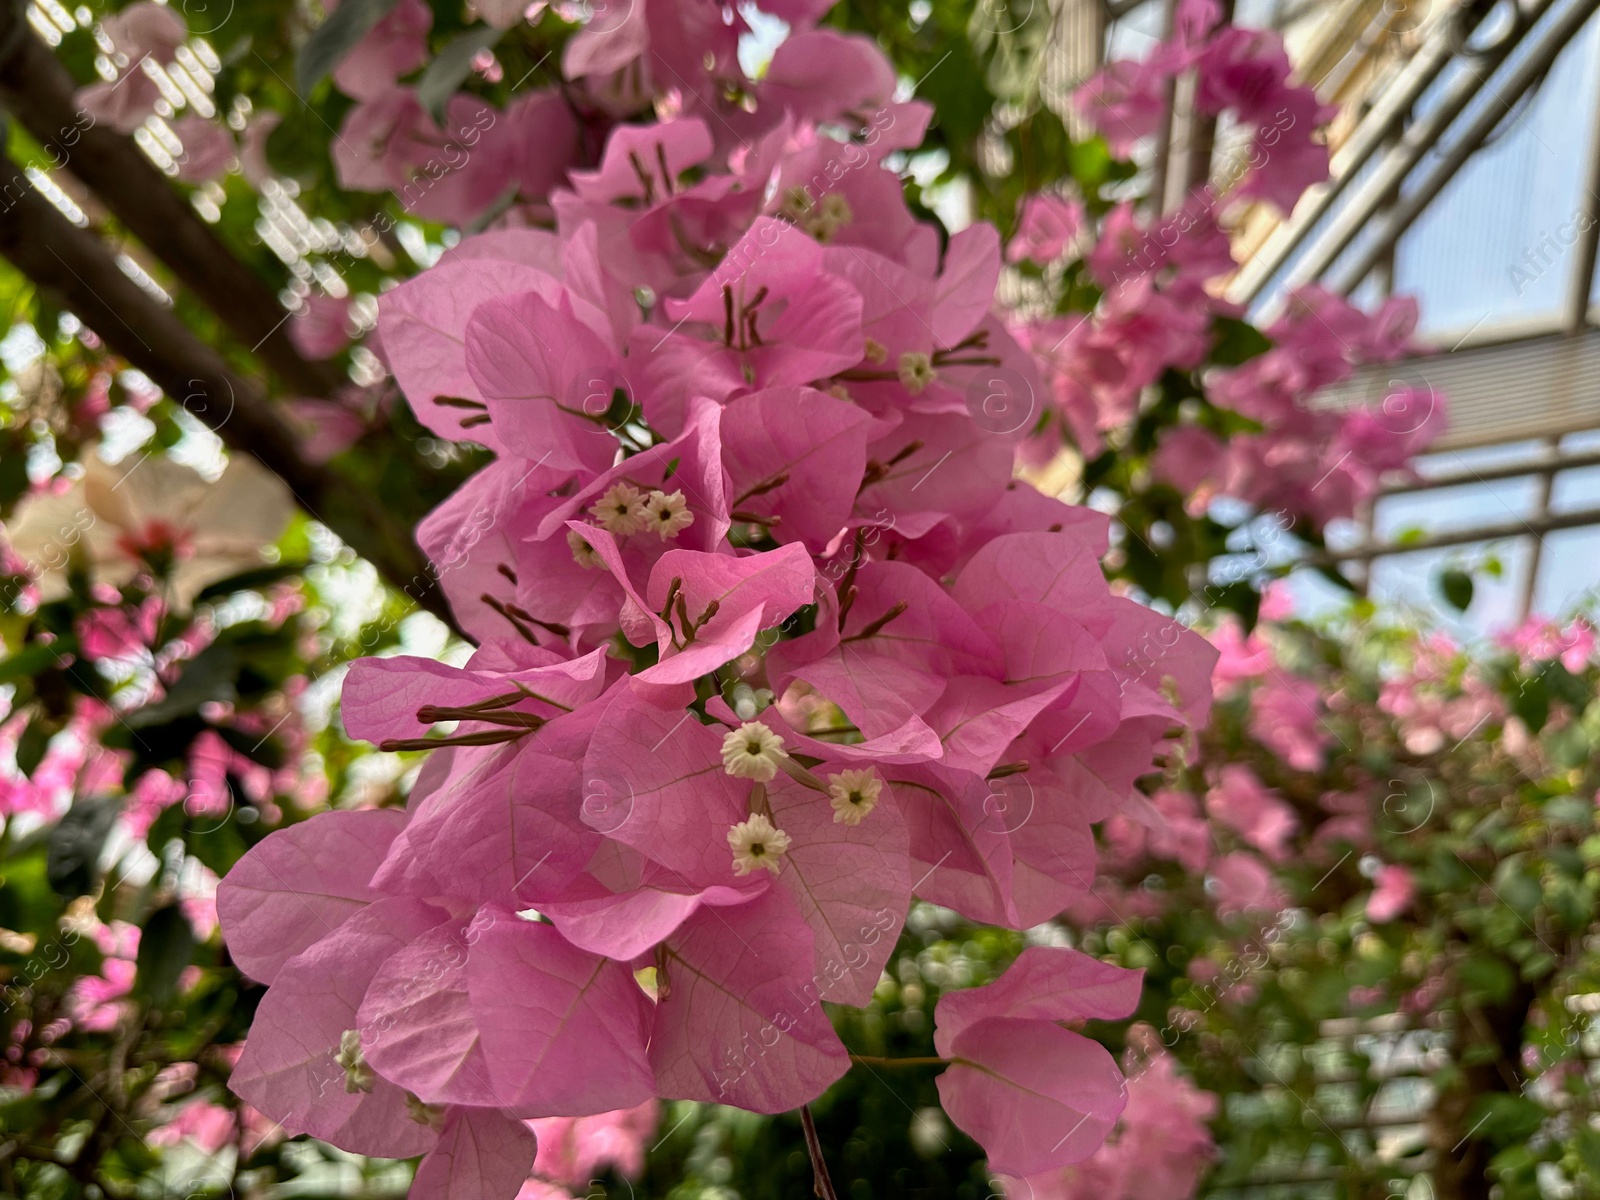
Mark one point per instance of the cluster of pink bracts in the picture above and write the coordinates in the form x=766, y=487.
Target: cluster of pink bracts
x=770, y=640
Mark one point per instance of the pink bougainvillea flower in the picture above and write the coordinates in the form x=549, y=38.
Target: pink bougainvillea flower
x=573, y=1150
x=303, y=1063
x=1241, y=883
x=208, y=149
x=1034, y=1094
x=1048, y=228
x=482, y=1154
x=1158, y=1151
x=770, y=635
x=1242, y=803
x=301, y=884
x=1393, y=894
x=768, y=317
x=143, y=30
x=1286, y=715
x=547, y=378
x=739, y=1020
x=395, y=46
x=795, y=457
x=321, y=327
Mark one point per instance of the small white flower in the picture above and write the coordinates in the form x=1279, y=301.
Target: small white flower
x=431, y=1115
x=916, y=371
x=875, y=351
x=752, y=751
x=667, y=515
x=854, y=794
x=582, y=553
x=621, y=510
x=757, y=842
x=358, y=1077
x=831, y=215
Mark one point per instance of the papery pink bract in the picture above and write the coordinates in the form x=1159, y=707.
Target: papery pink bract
x=1034, y=1094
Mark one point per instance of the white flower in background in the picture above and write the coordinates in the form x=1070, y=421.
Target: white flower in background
x=152, y=515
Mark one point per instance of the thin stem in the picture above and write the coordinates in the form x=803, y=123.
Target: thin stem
x=819, y=1167
x=873, y=628
x=871, y=1060
x=800, y=774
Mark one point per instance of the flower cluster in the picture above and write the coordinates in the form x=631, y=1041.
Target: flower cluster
x=770, y=640
x=1244, y=72
x=625, y=58
x=1380, y=824
x=1139, y=305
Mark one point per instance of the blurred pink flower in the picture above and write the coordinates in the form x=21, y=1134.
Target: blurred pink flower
x=1242, y=803
x=1396, y=887
x=1286, y=717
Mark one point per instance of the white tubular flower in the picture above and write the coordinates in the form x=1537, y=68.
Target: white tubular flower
x=582, y=553
x=756, y=842
x=621, y=510
x=831, y=215
x=915, y=371
x=752, y=751
x=431, y=1115
x=358, y=1077
x=854, y=794
x=667, y=515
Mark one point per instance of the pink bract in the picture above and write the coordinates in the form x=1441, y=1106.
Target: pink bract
x=743, y=456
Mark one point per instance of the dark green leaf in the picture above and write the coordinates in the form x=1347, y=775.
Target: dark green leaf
x=1456, y=587
x=260, y=577
x=31, y=746
x=30, y=660
x=165, y=947
x=1532, y=703
x=208, y=676
x=1490, y=978
x=335, y=38
x=451, y=66
x=1237, y=342
x=75, y=845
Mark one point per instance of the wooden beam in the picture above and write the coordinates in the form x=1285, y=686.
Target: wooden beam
x=78, y=272
x=41, y=94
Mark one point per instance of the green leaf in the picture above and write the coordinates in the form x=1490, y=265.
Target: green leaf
x=1532, y=703
x=335, y=38
x=1090, y=163
x=1456, y=587
x=451, y=66
x=31, y=746
x=216, y=843
x=208, y=676
x=1507, y=1118
x=30, y=660
x=75, y=844
x=258, y=577
x=14, y=481
x=166, y=945
x=1490, y=978
x=1236, y=342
